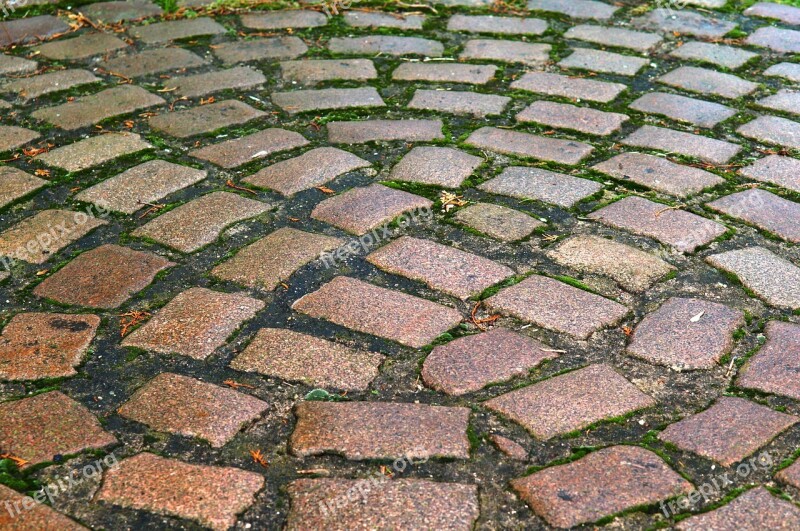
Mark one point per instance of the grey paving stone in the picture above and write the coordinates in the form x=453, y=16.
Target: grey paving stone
x=569, y=87
x=11, y=64
x=386, y=45
x=118, y=11
x=384, y=130
x=325, y=99
x=575, y=8
x=764, y=210
x=177, y=29
x=527, y=145
x=445, y=73
x=683, y=21
x=718, y=54
x=610, y=36
x=284, y=19
x=541, y=185
x=149, y=62
x=696, y=112
x=24, y=240
x=29, y=29
x=32, y=87
x=753, y=510
x=367, y=19
x=498, y=222
x=15, y=184
x=93, y=151
x=775, y=169
x=777, y=39
x=12, y=137
x=312, y=71
x=494, y=24
x=770, y=277
x=706, y=81
x=563, y=116
x=773, y=130
x=241, y=77
x=790, y=71
x=698, y=146
x=439, y=166
x=531, y=54
x=784, y=100
x=260, y=49
x=82, y=47
x=784, y=13
x=714, y=4
x=459, y=102
x=238, y=151
x=773, y=369
x=605, y=62
x=205, y=118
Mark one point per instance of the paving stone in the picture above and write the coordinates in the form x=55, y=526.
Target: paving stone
x=149, y=62
x=396, y=504
x=707, y=81
x=526, y=145
x=459, y=102
x=332, y=98
x=45, y=345
x=42, y=426
x=178, y=404
x=384, y=130
x=696, y=112
x=784, y=100
x=698, y=146
x=283, y=19
x=210, y=495
x=200, y=221
x=15, y=184
x=371, y=19
x=360, y=210
x=379, y=311
x=386, y=45
x=472, y=362
x=82, y=47
x=569, y=87
x=619, y=37
x=242, y=77
x=631, y=268
x=148, y=182
x=680, y=229
x=783, y=171
x=727, y=432
x=755, y=509
x=563, y=116
x=531, y=54
x=575, y=8
x=571, y=401
x=493, y=24
x=714, y=4
x=195, y=323
x=658, y=173
x=498, y=222
x=764, y=210
x=440, y=267
x=205, y=118
x=510, y=448
x=311, y=71
x=439, y=166
x=117, y=11
x=725, y=56
x=445, y=73
x=93, y=151
x=104, y=277
x=29, y=29
x=274, y=258
x=606, y=62
x=40, y=516
x=790, y=71
x=773, y=369
x=790, y=475
x=312, y=168
x=541, y=185
x=37, y=238
x=177, y=29
x=773, y=130
x=683, y=21
x=10, y=64
x=239, y=151
x=784, y=13
x=89, y=110
x=33, y=87
x=622, y=477
x=772, y=278
x=303, y=358
x=357, y=430
x=12, y=137
x=260, y=49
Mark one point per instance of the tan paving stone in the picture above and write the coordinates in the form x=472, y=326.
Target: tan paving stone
x=773, y=369
x=439, y=166
x=118, y=11
x=775, y=169
x=176, y=29
x=609, y=36
x=37, y=238
x=698, y=146
x=32, y=87
x=575, y=8
x=605, y=62
x=82, y=47
x=542, y=185
x=563, y=116
x=531, y=54
x=367, y=19
x=683, y=21
x=526, y=145
x=386, y=45
x=683, y=109
x=39, y=517
x=15, y=184
x=445, y=73
x=384, y=130
x=773, y=130
x=205, y=118
x=12, y=137
x=706, y=81
x=718, y=54
x=242, y=77
x=30, y=29
x=493, y=24
x=784, y=13
x=569, y=86
x=239, y=151
x=311, y=71
x=498, y=222
x=764, y=210
x=155, y=61
x=260, y=49
x=290, y=18
x=94, y=151
x=333, y=98
x=754, y=510
x=459, y=102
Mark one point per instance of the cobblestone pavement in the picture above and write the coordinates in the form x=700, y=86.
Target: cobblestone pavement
x=384, y=265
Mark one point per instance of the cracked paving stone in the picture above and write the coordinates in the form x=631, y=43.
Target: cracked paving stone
x=438, y=166
x=784, y=13
x=571, y=401
x=260, y=49
x=104, y=277
x=772, y=278
x=531, y=54
x=16, y=184
x=295, y=19
x=763, y=209
x=569, y=87
x=368, y=19
x=94, y=151
x=210, y=495
x=312, y=71
x=327, y=99
x=13, y=65
x=684, y=21
x=297, y=357
x=603, y=483
x=242, y=77
x=775, y=169
x=384, y=131
x=205, y=118
x=445, y=73
x=32, y=87
x=790, y=71
x=697, y=112
x=678, y=228
x=12, y=137
x=45, y=345
x=605, y=62
x=773, y=369
x=563, y=116
x=150, y=62
x=686, y=334
x=357, y=430
x=729, y=431
x=239, y=151
x=83, y=47
x=784, y=100
x=619, y=37
x=472, y=362
x=773, y=130
x=39, y=517
x=510, y=142
x=754, y=510
x=557, y=306
x=575, y=8
x=698, y=146
x=633, y=269
x=459, y=102
x=274, y=258
x=386, y=45
x=500, y=25
x=725, y=56
x=119, y=11
x=541, y=185
x=382, y=312
x=185, y=406
x=195, y=323
x=510, y=448
x=498, y=222
x=36, y=239
x=29, y=29
x=42, y=426
x=706, y=81
x=161, y=32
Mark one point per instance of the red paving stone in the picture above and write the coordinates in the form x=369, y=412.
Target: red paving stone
x=530, y=54
x=773, y=369
x=495, y=221
x=754, y=510
x=384, y=130
x=20, y=514
x=493, y=24
x=569, y=86
x=512, y=449
x=697, y=146
x=606, y=62
x=764, y=210
x=790, y=475
x=459, y=102
x=94, y=151
x=239, y=151
x=773, y=130
x=15, y=184
x=541, y=185
x=38, y=238
x=204, y=119
x=454, y=73
x=698, y=112
x=440, y=166
x=775, y=169
x=582, y=119
x=527, y=145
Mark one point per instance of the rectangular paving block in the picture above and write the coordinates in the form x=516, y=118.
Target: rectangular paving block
x=13, y=137
x=784, y=100
x=618, y=37
x=498, y=222
x=683, y=21
x=11, y=64
x=785, y=13
x=542, y=185
x=239, y=151
x=459, y=102
x=790, y=71
x=205, y=118
x=445, y=73
x=311, y=71
x=83, y=47
x=38, y=238
x=773, y=130
x=290, y=18
x=29, y=29
x=775, y=169
x=569, y=87
x=273, y=48
x=326, y=99
x=176, y=29
x=120, y=11
x=698, y=146
x=39, y=516
x=530, y=54
x=763, y=209
x=718, y=54
x=94, y=151
x=367, y=19
x=439, y=166
x=564, y=116
x=526, y=145
x=240, y=77
x=575, y=8
x=149, y=62
x=773, y=368
x=697, y=112
x=706, y=81
x=386, y=45
x=755, y=509
x=605, y=62
x=494, y=24
x=15, y=184
x=364, y=131
x=32, y=87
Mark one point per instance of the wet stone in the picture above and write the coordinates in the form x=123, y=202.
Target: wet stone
x=563, y=116
x=195, y=323
x=200, y=221
x=683, y=21
x=239, y=151
x=357, y=430
x=575, y=8
x=313, y=168
x=386, y=45
x=557, y=306
x=367, y=19
x=39, y=517
x=698, y=146
x=274, y=258
x=94, y=151
x=205, y=118
x=333, y=98
x=458, y=102
x=379, y=311
x=438, y=166
x=770, y=277
x=571, y=401
x=755, y=509
x=104, y=277
x=658, y=173
x=526, y=145
x=542, y=185
x=176, y=29
x=569, y=87
x=619, y=37
x=605, y=62
x=45, y=345
x=784, y=100
x=725, y=56
x=603, y=483
x=12, y=137
x=775, y=169
x=531, y=54
x=773, y=130
x=42, y=426
x=15, y=184
x=118, y=11
x=784, y=13
x=790, y=71
x=384, y=130
x=311, y=71
x=501, y=25
x=510, y=448
x=297, y=357
x=10, y=64
x=763, y=209
x=470, y=363
x=83, y=47
x=283, y=19
x=150, y=62
x=30, y=29
x=729, y=431
x=33, y=87
x=445, y=73
x=696, y=112
x=37, y=238
x=678, y=228
x=706, y=81
x=498, y=222
x=773, y=369
x=242, y=77
x=631, y=268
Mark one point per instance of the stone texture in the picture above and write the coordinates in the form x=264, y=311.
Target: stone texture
x=510, y=448
x=698, y=146
x=696, y=112
x=773, y=130
x=271, y=20
x=729, y=431
x=707, y=81
x=386, y=45
x=82, y=47
x=118, y=11
x=754, y=510
x=12, y=137
x=242, y=77
x=31, y=240
x=15, y=184
x=618, y=37
x=239, y=151
x=379, y=311
x=40, y=517
x=384, y=130
x=557, y=306
x=195, y=323
x=326, y=99
x=260, y=49
x=725, y=56
x=784, y=13
x=775, y=169
x=94, y=151
x=500, y=25
x=459, y=102
x=605, y=62
x=770, y=277
x=149, y=62
x=784, y=100
x=569, y=87
x=531, y=54
x=367, y=19
x=541, y=185
x=357, y=430
x=312, y=361
x=176, y=29
x=498, y=222
x=563, y=116
x=13, y=65
x=683, y=21
x=445, y=73
x=439, y=166
x=790, y=71
x=32, y=87
x=764, y=210
x=790, y=475
x=575, y=8
x=312, y=71
x=205, y=118
x=29, y=29
x=773, y=369
x=526, y=145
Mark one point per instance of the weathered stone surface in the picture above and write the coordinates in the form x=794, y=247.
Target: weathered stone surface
x=386, y=45
x=24, y=241
x=283, y=19
x=10, y=64
x=790, y=71
x=459, y=102
x=527, y=145
x=669, y=140
x=563, y=116
x=755, y=509
x=683, y=21
x=575, y=8
x=531, y=54
x=773, y=369
x=312, y=71
x=541, y=185
x=367, y=19
x=784, y=100
x=725, y=56
x=333, y=98
x=764, y=210
x=510, y=448
x=30, y=29
x=606, y=62
x=775, y=169
x=773, y=130
x=440, y=166
x=784, y=13
x=205, y=118
x=569, y=87
x=707, y=81
x=242, y=77
x=83, y=47
x=39, y=517
x=619, y=37
x=12, y=137
x=32, y=87
x=93, y=151
x=176, y=29
x=445, y=73
x=379, y=311
x=790, y=474
x=493, y=24
x=238, y=151
x=15, y=184
x=772, y=278
x=384, y=130
x=149, y=62
x=357, y=430
x=118, y=11
x=498, y=222
x=303, y=358
x=696, y=112
x=260, y=49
